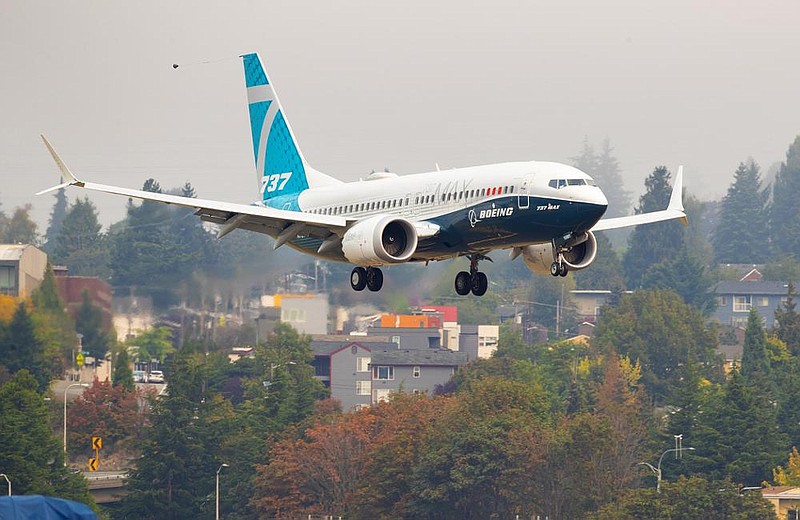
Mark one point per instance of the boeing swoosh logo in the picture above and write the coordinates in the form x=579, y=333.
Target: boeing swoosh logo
x=473, y=218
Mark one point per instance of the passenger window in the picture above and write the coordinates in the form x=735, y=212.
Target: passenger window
x=511, y=189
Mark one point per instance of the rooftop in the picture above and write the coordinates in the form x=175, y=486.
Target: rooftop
x=768, y=288
x=419, y=357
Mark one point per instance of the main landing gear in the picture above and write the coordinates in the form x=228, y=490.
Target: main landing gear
x=370, y=277
x=473, y=280
x=559, y=269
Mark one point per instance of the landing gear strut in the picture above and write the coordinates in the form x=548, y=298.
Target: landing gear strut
x=473, y=280
x=370, y=278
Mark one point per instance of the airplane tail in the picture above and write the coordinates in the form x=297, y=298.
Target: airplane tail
x=281, y=168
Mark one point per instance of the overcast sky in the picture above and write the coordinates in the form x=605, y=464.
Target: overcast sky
x=404, y=85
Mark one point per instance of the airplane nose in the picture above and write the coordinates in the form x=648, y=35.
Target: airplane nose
x=597, y=197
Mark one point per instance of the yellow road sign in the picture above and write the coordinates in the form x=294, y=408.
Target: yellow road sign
x=93, y=464
x=97, y=443
x=79, y=359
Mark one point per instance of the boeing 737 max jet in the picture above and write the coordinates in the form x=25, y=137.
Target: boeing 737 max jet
x=545, y=212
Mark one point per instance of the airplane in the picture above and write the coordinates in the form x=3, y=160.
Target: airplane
x=546, y=212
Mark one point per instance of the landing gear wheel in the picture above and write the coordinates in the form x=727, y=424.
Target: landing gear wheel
x=374, y=279
x=562, y=270
x=555, y=269
x=358, y=278
x=463, y=283
x=479, y=284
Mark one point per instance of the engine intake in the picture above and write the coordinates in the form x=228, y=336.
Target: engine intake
x=379, y=240
x=539, y=257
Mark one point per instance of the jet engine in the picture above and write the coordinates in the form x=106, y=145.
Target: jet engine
x=379, y=240
x=577, y=253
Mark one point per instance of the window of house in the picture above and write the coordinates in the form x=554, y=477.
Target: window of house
x=8, y=278
x=722, y=301
x=363, y=387
x=396, y=339
x=362, y=364
x=416, y=371
x=763, y=301
x=383, y=373
x=742, y=303
x=380, y=394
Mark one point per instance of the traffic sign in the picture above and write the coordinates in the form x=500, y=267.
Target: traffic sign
x=93, y=464
x=97, y=443
x=79, y=359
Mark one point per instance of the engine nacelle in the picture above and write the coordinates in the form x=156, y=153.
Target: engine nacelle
x=539, y=257
x=379, y=240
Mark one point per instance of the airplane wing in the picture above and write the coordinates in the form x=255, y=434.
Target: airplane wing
x=674, y=211
x=281, y=224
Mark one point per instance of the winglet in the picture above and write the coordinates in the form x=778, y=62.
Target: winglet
x=66, y=176
x=676, y=199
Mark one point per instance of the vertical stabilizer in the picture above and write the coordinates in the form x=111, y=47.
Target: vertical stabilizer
x=281, y=168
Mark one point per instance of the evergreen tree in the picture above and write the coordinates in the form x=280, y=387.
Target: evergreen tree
x=609, y=176
x=743, y=224
x=755, y=363
x=686, y=275
x=174, y=477
x=737, y=436
x=31, y=455
x=123, y=375
x=80, y=245
x=20, y=229
x=89, y=323
x=787, y=322
x=53, y=324
x=22, y=349
x=785, y=214
x=57, y=217
x=653, y=243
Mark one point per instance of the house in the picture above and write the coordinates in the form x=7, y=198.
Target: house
x=412, y=370
x=342, y=364
x=308, y=313
x=410, y=337
x=785, y=499
x=22, y=268
x=478, y=341
x=736, y=298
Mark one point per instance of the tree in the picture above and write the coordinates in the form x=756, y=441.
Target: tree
x=80, y=245
x=22, y=349
x=755, y=362
x=693, y=498
x=787, y=321
x=20, y=229
x=102, y=410
x=791, y=475
x=741, y=235
x=53, y=324
x=653, y=243
x=155, y=343
x=31, y=454
x=89, y=323
x=784, y=231
x=665, y=335
x=57, y=217
x=687, y=276
x=173, y=478
x=608, y=176
x=123, y=375
x=737, y=436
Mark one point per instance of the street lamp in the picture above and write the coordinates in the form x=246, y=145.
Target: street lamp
x=657, y=470
x=273, y=366
x=216, y=505
x=9, y=482
x=65, y=415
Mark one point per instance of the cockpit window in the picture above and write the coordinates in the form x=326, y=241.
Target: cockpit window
x=563, y=183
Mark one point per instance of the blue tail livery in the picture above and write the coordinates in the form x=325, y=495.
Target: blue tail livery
x=282, y=170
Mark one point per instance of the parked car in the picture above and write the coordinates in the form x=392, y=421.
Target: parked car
x=139, y=376
x=156, y=376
